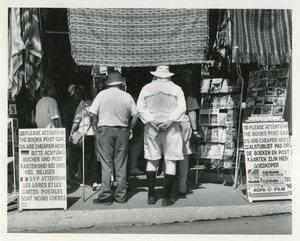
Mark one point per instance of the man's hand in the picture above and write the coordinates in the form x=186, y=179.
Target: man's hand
x=164, y=126
x=154, y=126
x=130, y=134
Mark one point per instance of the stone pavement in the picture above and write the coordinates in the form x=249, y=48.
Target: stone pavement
x=211, y=200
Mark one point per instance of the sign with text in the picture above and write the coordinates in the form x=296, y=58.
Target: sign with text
x=42, y=169
x=267, y=158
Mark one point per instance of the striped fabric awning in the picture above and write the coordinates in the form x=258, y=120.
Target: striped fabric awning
x=138, y=37
x=262, y=36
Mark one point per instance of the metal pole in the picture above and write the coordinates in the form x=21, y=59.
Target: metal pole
x=237, y=161
x=83, y=175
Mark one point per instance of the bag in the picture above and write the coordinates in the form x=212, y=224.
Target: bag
x=77, y=137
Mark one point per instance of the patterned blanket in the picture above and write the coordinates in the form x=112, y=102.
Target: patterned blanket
x=138, y=37
x=262, y=35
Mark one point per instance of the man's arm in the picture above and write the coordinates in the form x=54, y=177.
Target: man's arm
x=142, y=109
x=133, y=123
x=56, y=122
x=94, y=122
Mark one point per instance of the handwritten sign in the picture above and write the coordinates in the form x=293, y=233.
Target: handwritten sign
x=42, y=169
x=267, y=158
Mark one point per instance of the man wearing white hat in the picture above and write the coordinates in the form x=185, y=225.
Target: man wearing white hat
x=112, y=110
x=161, y=106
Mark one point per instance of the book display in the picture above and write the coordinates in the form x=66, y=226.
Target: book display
x=218, y=115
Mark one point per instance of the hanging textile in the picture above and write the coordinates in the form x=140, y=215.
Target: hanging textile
x=263, y=36
x=223, y=42
x=25, y=50
x=15, y=48
x=138, y=37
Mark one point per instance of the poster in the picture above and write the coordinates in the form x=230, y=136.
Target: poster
x=42, y=168
x=267, y=158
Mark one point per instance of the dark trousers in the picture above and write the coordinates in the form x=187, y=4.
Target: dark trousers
x=91, y=165
x=75, y=159
x=112, y=146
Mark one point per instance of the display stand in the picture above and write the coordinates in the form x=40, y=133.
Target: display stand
x=218, y=119
x=266, y=146
x=13, y=195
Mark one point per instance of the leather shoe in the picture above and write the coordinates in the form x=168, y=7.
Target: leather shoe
x=151, y=200
x=183, y=194
x=167, y=201
x=106, y=201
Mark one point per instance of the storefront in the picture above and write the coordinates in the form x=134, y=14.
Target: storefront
x=241, y=67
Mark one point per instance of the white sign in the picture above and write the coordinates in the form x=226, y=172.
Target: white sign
x=267, y=158
x=42, y=169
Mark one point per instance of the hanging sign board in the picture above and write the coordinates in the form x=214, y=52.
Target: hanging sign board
x=42, y=169
x=267, y=158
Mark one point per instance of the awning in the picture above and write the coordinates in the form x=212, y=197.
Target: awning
x=262, y=36
x=138, y=37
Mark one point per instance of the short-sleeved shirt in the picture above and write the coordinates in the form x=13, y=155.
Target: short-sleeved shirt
x=46, y=111
x=114, y=107
x=83, y=108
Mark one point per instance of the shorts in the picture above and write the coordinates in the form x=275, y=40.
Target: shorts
x=188, y=147
x=168, y=143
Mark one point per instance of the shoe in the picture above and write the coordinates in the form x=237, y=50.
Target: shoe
x=183, y=194
x=96, y=186
x=151, y=200
x=167, y=201
x=83, y=185
x=106, y=201
x=124, y=201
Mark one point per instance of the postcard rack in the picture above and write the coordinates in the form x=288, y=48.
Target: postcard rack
x=219, y=119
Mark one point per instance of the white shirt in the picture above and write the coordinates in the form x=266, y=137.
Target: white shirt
x=161, y=100
x=46, y=111
x=113, y=107
x=84, y=106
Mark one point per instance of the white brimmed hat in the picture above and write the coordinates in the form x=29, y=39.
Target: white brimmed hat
x=114, y=78
x=162, y=72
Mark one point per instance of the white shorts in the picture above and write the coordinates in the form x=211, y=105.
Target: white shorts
x=168, y=143
x=188, y=147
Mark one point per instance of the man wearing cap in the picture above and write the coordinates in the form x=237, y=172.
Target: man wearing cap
x=161, y=106
x=112, y=110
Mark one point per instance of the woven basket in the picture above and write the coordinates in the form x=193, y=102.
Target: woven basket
x=138, y=37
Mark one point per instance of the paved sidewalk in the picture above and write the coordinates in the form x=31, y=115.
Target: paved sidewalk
x=209, y=201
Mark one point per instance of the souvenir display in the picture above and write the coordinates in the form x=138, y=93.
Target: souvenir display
x=266, y=95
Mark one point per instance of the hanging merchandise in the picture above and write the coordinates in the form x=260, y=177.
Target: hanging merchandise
x=25, y=50
x=223, y=42
x=132, y=37
x=262, y=36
